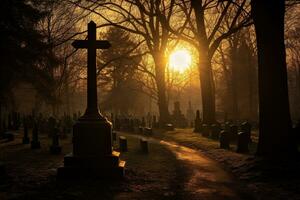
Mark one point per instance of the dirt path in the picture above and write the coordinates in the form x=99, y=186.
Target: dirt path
x=202, y=177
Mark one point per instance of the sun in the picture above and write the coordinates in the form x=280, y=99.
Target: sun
x=180, y=60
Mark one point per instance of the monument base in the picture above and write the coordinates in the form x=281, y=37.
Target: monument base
x=92, y=155
x=77, y=167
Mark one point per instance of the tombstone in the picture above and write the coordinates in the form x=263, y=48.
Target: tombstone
x=197, y=124
x=55, y=148
x=246, y=127
x=141, y=129
x=227, y=126
x=51, y=125
x=143, y=122
x=169, y=127
x=117, y=125
x=144, y=145
x=123, y=144
x=233, y=132
x=190, y=115
x=35, y=143
x=215, y=131
x=205, y=130
x=179, y=121
x=93, y=155
x=224, y=140
x=26, y=139
x=131, y=125
x=149, y=120
x=154, y=122
x=148, y=131
x=243, y=142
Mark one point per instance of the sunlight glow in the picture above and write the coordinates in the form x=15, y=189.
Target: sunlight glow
x=180, y=60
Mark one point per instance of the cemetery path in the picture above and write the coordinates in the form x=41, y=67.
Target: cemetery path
x=202, y=178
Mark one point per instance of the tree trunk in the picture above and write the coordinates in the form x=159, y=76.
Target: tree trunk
x=274, y=114
x=160, y=66
x=205, y=68
x=207, y=91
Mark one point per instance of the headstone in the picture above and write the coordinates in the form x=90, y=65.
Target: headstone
x=227, y=126
x=123, y=144
x=141, y=129
x=243, y=142
x=55, y=148
x=197, y=123
x=233, y=132
x=205, y=130
x=169, y=127
x=144, y=145
x=143, y=122
x=26, y=139
x=190, y=115
x=246, y=127
x=148, y=131
x=154, y=122
x=35, y=143
x=93, y=155
x=224, y=140
x=179, y=121
x=215, y=131
x=51, y=125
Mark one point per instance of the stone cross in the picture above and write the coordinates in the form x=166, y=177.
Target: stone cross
x=91, y=44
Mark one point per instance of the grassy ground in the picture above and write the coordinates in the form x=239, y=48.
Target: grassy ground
x=32, y=174
x=279, y=179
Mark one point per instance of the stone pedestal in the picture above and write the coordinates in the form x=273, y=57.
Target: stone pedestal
x=92, y=155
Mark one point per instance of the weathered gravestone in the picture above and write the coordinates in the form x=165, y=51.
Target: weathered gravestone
x=233, y=132
x=246, y=127
x=215, y=131
x=169, y=127
x=242, y=143
x=144, y=145
x=55, y=148
x=224, y=140
x=26, y=139
x=92, y=155
x=35, y=143
x=179, y=121
x=190, y=115
x=205, y=130
x=148, y=131
x=197, y=124
x=123, y=144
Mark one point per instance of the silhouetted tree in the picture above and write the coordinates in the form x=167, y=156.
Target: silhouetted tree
x=23, y=52
x=275, y=135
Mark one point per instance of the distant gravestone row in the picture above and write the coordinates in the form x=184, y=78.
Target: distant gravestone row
x=226, y=133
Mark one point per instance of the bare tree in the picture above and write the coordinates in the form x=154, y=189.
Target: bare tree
x=207, y=27
x=147, y=20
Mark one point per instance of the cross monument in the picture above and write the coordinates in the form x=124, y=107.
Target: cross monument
x=92, y=154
